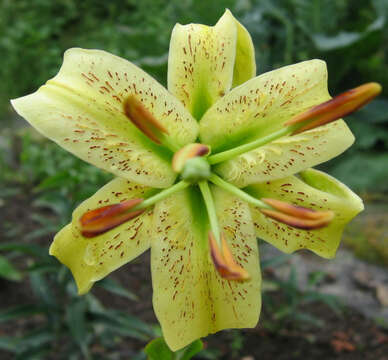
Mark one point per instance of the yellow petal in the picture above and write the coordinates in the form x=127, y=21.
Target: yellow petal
x=315, y=190
x=91, y=259
x=287, y=155
x=191, y=300
x=263, y=104
x=205, y=61
x=82, y=109
x=245, y=64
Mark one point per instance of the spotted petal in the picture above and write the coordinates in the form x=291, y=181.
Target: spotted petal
x=190, y=299
x=287, y=155
x=91, y=259
x=263, y=104
x=81, y=109
x=204, y=62
x=312, y=189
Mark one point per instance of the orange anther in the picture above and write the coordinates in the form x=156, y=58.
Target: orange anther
x=98, y=221
x=224, y=262
x=331, y=110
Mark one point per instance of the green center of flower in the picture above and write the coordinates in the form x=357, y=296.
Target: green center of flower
x=195, y=170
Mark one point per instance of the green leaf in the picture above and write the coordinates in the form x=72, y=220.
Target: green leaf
x=29, y=249
x=123, y=324
x=115, y=288
x=76, y=320
x=275, y=261
x=157, y=349
x=36, y=339
x=308, y=318
x=345, y=39
x=189, y=351
x=9, y=343
x=20, y=311
x=28, y=343
x=375, y=112
x=364, y=170
x=43, y=267
x=8, y=271
x=42, y=289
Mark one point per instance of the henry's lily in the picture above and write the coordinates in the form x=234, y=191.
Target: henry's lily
x=202, y=169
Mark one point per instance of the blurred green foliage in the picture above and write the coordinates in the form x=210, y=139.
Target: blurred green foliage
x=66, y=325
x=351, y=36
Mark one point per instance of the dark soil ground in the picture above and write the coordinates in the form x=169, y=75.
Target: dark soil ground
x=348, y=336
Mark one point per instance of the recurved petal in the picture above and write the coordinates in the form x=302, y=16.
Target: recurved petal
x=287, y=155
x=262, y=105
x=245, y=63
x=205, y=61
x=190, y=298
x=311, y=189
x=91, y=259
x=82, y=109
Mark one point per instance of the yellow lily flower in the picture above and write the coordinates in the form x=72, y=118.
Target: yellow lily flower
x=202, y=170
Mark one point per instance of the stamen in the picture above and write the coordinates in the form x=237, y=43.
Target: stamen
x=221, y=255
x=319, y=115
x=297, y=216
x=292, y=215
x=188, y=152
x=340, y=106
x=224, y=262
x=100, y=220
x=141, y=117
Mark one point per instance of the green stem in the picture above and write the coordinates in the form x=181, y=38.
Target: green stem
x=211, y=210
x=238, y=192
x=161, y=195
x=229, y=154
